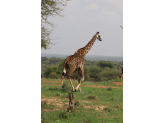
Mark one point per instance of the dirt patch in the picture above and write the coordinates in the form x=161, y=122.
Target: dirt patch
x=43, y=100
x=85, y=101
x=99, y=107
x=117, y=83
x=95, y=86
x=88, y=107
x=96, y=107
x=54, y=101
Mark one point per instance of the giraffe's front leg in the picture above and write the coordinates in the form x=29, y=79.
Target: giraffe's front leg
x=78, y=87
x=79, y=77
x=73, y=88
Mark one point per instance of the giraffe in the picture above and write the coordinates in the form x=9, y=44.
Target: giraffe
x=77, y=61
x=121, y=76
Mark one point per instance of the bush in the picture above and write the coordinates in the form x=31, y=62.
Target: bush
x=86, y=73
x=110, y=74
x=105, y=64
x=54, y=60
x=48, y=70
x=44, y=59
x=42, y=74
x=53, y=75
x=52, y=72
x=94, y=73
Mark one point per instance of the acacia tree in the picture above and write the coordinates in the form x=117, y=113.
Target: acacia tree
x=49, y=8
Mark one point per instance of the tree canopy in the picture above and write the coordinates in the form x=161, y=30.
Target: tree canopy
x=49, y=8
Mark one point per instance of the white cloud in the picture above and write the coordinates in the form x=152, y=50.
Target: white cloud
x=92, y=6
x=109, y=17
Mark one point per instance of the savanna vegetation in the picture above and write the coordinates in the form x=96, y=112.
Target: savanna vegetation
x=99, y=102
x=93, y=70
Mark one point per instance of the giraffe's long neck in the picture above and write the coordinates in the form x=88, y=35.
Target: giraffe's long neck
x=89, y=45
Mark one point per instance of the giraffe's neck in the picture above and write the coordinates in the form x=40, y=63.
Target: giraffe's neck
x=89, y=45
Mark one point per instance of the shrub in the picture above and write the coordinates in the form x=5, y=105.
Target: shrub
x=49, y=70
x=110, y=74
x=94, y=73
x=105, y=64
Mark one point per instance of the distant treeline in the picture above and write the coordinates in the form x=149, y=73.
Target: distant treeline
x=93, y=70
x=87, y=57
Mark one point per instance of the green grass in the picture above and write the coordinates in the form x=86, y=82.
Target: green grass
x=44, y=105
x=75, y=82
x=100, y=105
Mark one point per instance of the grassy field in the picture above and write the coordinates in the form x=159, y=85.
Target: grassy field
x=98, y=102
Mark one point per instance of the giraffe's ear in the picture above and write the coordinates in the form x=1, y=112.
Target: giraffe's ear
x=100, y=34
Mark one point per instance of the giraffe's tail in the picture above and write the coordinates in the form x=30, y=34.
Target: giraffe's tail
x=64, y=69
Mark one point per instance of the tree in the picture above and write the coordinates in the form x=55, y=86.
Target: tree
x=44, y=58
x=49, y=8
x=105, y=64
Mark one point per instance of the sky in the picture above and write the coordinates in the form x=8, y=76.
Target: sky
x=82, y=19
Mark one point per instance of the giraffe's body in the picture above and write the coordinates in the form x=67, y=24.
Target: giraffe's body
x=77, y=61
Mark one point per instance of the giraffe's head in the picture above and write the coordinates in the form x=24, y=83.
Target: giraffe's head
x=98, y=36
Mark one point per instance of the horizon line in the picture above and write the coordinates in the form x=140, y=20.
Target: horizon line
x=71, y=54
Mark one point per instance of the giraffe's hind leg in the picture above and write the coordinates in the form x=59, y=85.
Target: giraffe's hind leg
x=62, y=77
x=69, y=76
x=79, y=77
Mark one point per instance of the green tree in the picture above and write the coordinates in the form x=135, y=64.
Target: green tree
x=49, y=8
x=54, y=60
x=50, y=72
x=94, y=73
x=86, y=73
x=105, y=64
x=44, y=58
